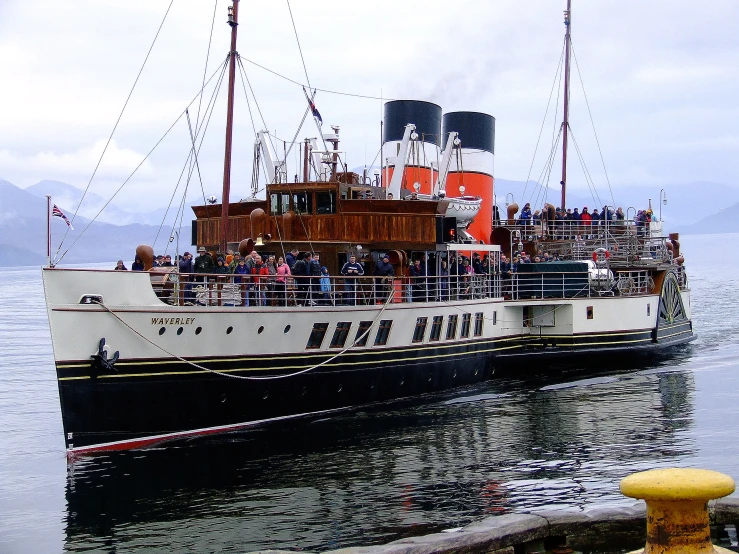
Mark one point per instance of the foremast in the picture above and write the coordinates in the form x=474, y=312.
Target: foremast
x=565, y=119
x=233, y=21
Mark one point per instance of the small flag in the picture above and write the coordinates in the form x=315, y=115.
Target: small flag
x=56, y=212
x=314, y=111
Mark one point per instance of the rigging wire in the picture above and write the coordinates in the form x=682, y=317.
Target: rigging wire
x=56, y=260
x=597, y=142
x=110, y=138
x=293, y=81
x=557, y=76
x=207, y=115
x=207, y=59
x=302, y=59
x=586, y=172
x=259, y=110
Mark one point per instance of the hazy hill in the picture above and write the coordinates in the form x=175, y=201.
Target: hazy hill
x=725, y=221
x=69, y=195
x=23, y=233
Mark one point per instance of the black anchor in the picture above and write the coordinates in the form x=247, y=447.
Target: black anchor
x=100, y=361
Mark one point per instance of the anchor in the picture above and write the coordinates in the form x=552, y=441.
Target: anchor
x=100, y=361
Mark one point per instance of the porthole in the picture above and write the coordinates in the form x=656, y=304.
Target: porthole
x=229, y=330
x=179, y=331
x=198, y=330
x=261, y=329
x=287, y=328
x=265, y=395
x=305, y=391
x=372, y=385
x=455, y=373
x=161, y=331
x=402, y=381
x=223, y=399
x=477, y=371
x=430, y=377
x=341, y=387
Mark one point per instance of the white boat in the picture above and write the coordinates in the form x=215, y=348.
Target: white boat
x=149, y=356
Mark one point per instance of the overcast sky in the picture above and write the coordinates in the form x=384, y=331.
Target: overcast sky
x=661, y=77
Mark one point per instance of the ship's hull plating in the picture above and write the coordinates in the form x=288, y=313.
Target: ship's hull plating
x=165, y=387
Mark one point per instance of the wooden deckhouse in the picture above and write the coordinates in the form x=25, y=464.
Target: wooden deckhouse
x=334, y=218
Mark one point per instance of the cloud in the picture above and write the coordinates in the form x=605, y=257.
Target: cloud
x=117, y=163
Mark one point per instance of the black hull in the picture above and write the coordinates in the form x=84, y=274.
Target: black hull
x=152, y=401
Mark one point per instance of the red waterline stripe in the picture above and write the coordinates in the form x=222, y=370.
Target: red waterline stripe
x=142, y=442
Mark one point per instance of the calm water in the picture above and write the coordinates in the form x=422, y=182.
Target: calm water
x=372, y=477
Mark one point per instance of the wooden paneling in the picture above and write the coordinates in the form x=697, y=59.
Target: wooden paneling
x=359, y=222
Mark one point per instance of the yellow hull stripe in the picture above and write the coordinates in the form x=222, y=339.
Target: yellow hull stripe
x=361, y=362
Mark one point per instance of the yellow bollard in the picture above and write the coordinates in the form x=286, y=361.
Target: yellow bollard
x=677, y=507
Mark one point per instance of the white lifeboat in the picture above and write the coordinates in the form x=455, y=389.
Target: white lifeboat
x=464, y=208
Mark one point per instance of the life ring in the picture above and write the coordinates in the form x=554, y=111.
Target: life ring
x=598, y=251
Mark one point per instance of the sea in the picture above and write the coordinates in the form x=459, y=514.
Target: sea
x=508, y=445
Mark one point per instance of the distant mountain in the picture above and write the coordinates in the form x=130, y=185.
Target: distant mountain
x=722, y=222
x=23, y=233
x=69, y=195
x=11, y=256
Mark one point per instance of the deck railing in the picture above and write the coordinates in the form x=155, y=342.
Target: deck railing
x=251, y=290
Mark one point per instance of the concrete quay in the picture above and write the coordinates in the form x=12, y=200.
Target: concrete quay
x=597, y=529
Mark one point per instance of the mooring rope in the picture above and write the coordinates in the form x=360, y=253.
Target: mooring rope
x=262, y=378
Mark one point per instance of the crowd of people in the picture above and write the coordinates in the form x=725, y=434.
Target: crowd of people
x=300, y=278
x=574, y=223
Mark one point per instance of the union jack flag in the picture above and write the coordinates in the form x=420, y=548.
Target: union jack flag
x=313, y=109
x=56, y=212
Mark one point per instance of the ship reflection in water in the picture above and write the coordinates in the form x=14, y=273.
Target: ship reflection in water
x=377, y=476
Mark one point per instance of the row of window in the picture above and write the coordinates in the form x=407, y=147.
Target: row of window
x=302, y=202
x=341, y=333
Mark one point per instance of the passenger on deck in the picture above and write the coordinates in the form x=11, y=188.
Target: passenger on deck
x=221, y=268
x=315, y=276
x=234, y=262
x=301, y=272
x=260, y=273
x=325, y=286
x=351, y=269
x=120, y=267
x=291, y=258
x=241, y=270
x=477, y=265
x=137, y=265
x=272, y=269
x=620, y=214
x=203, y=263
x=283, y=272
x=383, y=272
x=418, y=281
x=525, y=217
x=444, y=281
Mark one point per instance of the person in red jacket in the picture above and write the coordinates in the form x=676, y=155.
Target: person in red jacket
x=260, y=271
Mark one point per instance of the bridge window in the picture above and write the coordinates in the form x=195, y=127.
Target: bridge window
x=279, y=203
x=326, y=202
x=303, y=203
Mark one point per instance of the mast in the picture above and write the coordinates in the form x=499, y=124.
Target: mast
x=233, y=21
x=565, y=121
